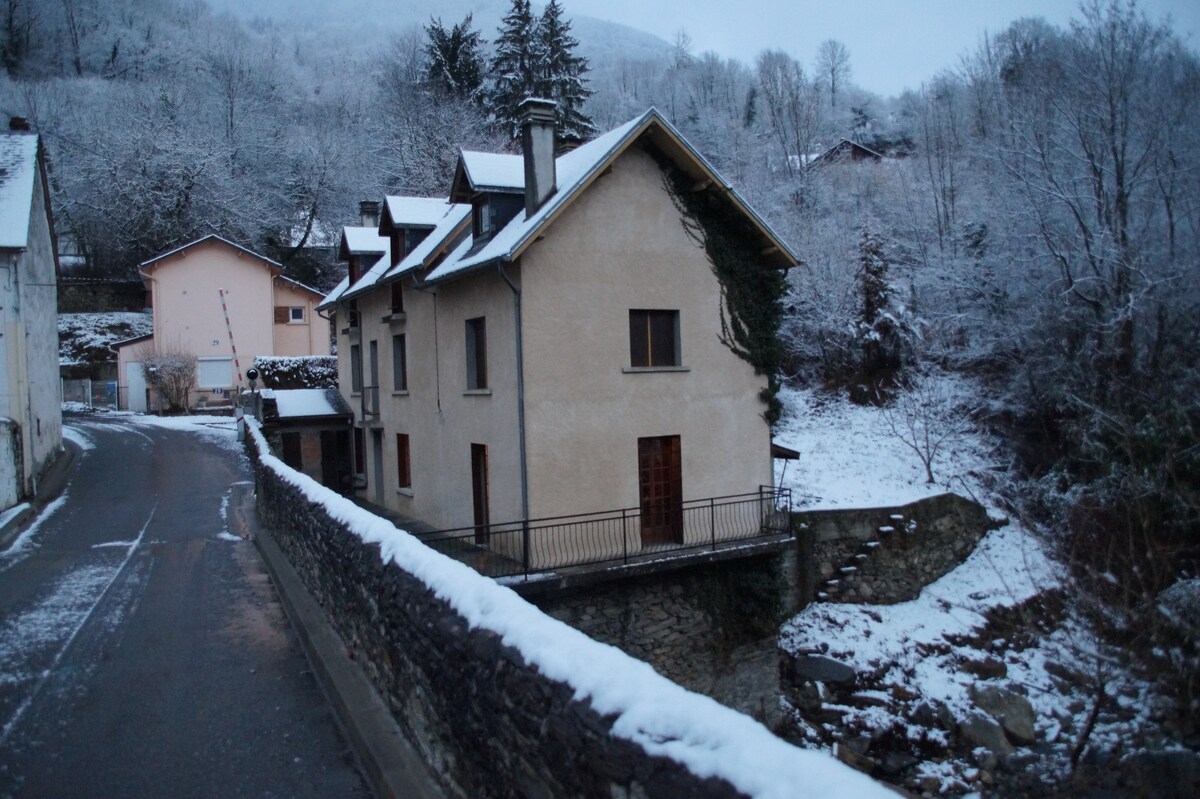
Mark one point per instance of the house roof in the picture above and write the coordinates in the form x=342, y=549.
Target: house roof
x=125, y=342
x=448, y=227
x=299, y=285
x=359, y=240
x=577, y=170
x=309, y=403
x=487, y=172
x=336, y=294
x=18, y=166
x=412, y=212
x=845, y=148
x=274, y=266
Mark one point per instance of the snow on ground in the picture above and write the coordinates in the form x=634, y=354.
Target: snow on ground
x=86, y=337
x=850, y=458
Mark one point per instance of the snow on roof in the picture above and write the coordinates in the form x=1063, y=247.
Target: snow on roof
x=453, y=215
x=456, y=215
x=494, y=170
x=572, y=170
x=300, y=403
x=660, y=716
x=364, y=239
x=416, y=211
x=333, y=296
x=18, y=165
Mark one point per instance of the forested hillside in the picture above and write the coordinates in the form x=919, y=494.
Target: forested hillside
x=1029, y=219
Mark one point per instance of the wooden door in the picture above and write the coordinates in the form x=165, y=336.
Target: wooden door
x=479, y=491
x=660, y=484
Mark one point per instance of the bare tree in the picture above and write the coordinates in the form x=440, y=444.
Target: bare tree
x=172, y=373
x=833, y=68
x=926, y=419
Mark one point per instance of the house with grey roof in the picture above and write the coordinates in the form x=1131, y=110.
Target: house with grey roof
x=30, y=397
x=547, y=342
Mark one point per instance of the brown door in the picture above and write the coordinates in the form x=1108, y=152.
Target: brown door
x=660, y=483
x=479, y=491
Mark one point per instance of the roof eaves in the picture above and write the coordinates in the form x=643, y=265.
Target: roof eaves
x=273, y=264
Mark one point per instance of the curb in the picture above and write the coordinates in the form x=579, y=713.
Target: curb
x=51, y=486
x=392, y=766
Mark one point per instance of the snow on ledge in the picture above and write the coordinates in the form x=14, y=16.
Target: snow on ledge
x=662, y=717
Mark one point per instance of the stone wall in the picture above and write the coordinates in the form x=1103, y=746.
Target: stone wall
x=488, y=722
x=887, y=555
x=94, y=295
x=712, y=628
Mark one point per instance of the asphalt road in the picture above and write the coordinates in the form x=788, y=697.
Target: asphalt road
x=143, y=650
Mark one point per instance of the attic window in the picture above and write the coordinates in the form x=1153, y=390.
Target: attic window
x=481, y=214
x=398, y=248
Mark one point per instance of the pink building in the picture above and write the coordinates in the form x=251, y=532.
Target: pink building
x=226, y=305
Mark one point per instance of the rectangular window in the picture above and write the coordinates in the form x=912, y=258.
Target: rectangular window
x=397, y=292
x=482, y=219
x=296, y=314
x=355, y=368
x=214, y=372
x=476, y=354
x=403, y=466
x=281, y=314
x=396, y=245
x=360, y=455
x=653, y=338
x=399, y=364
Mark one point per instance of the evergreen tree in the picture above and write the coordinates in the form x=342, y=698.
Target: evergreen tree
x=514, y=66
x=560, y=73
x=454, y=58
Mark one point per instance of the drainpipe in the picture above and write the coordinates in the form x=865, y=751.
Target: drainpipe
x=520, y=414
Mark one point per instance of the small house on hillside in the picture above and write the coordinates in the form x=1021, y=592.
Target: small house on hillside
x=548, y=342
x=846, y=151
x=226, y=305
x=30, y=405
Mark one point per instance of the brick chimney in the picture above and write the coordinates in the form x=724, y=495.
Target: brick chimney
x=537, y=144
x=19, y=124
x=369, y=211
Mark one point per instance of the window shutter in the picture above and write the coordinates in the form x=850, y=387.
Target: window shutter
x=281, y=314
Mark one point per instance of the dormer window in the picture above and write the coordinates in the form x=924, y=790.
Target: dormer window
x=398, y=249
x=490, y=212
x=482, y=218
x=355, y=269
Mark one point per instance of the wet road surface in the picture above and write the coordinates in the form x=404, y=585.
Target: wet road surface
x=143, y=650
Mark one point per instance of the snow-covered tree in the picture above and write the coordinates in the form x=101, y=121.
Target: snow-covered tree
x=561, y=73
x=514, y=66
x=455, y=60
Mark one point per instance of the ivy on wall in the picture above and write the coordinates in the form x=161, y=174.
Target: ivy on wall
x=751, y=292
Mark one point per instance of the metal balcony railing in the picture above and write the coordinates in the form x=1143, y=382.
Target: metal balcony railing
x=624, y=536
x=370, y=402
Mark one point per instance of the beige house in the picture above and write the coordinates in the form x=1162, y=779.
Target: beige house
x=226, y=305
x=30, y=394
x=547, y=343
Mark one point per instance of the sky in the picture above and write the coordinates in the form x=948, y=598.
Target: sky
x=893, y=44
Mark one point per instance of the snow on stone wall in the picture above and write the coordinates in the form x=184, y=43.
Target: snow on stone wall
x=500, y=698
